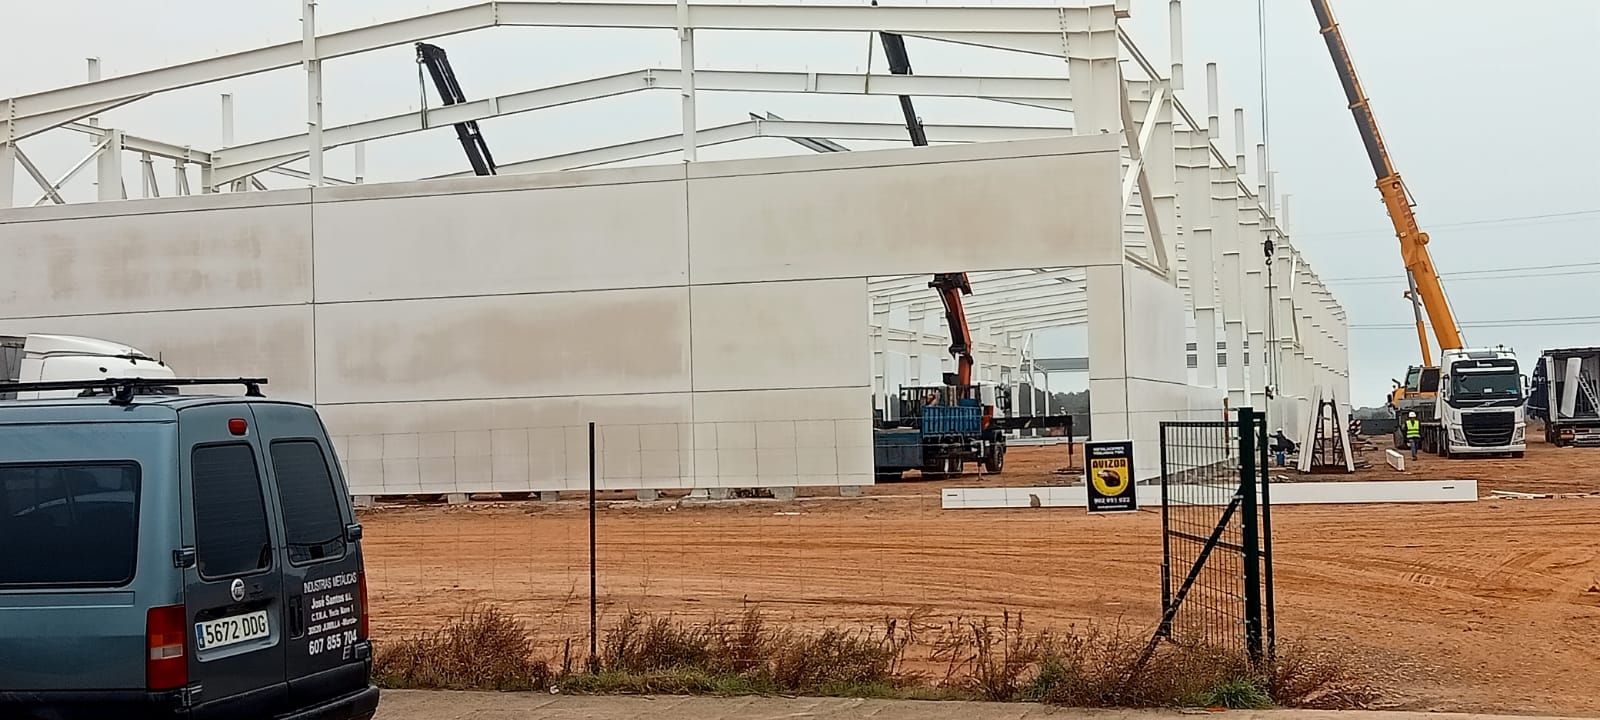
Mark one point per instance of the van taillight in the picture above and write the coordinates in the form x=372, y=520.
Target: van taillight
x=361, y=587
x=166, y=664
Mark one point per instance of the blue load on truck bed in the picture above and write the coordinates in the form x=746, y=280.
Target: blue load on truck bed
x=952, y=420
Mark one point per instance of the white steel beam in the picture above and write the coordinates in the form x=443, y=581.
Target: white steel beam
x=887, y=132
x=989, y=299
x=989, y=283
x=155, y=148
x=38, y=178
x=1045, y=30
x=706, y=137
x=51, y=189
x=1076, y=302
x=1043, y=322
x=896, y=131
x=234, y=162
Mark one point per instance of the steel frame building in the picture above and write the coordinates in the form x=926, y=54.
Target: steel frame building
x=1193, y=218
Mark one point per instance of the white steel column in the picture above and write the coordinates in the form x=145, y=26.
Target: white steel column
x=239, y=185
x=1304, y=300
x=1252, y=279
x=915, y=317
x=1175, y=37
x=361, y=163
x=1287, y=381
x=108, y=167
x=8, y=155
x=1097, y=109
x=1194, y=177
x=8, y=172
x=94, y=76
x=880, y=349
x=313, y=67
x=1225, y=235
x=686, y=66
x=148, y=176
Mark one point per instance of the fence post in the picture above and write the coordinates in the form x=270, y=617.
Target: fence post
x=1248, y=520
x=1165, y=630
x=594, y=637
x=1266, y=545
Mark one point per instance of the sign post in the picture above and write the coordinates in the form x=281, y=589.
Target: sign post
x=1108, y=473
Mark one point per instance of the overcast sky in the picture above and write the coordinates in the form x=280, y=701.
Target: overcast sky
x=1488, y=107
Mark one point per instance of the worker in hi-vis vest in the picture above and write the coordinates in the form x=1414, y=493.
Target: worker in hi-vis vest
x=1413, y=433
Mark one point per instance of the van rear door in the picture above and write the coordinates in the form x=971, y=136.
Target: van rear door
x=234, y=587
x=326, y=654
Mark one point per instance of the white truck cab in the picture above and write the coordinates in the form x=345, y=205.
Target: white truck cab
x=1481, y=403
x=47, y=358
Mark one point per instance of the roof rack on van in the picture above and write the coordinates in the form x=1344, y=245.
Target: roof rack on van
x=123, y=389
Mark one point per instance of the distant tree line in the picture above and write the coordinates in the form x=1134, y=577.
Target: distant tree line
x=1030, y=401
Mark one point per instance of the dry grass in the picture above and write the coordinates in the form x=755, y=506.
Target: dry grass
x=989, y=659
x=484, y=649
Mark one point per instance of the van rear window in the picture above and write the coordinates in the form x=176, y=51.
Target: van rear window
x=74, y=524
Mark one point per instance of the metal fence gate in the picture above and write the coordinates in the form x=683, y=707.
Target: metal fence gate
x=1216, y=521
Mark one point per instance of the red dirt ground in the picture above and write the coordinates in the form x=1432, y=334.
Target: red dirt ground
x=1490, y=606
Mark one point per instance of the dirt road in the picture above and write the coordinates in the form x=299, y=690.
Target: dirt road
x=1489, y=607
x=529, y=706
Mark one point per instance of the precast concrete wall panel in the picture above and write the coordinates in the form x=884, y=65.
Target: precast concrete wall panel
x=544, y=239
x=274, y=342
x=546, y=345
x=1156, y=329
x=711, y=318
x=998, y=207
x=240, y=257
x=754, y=335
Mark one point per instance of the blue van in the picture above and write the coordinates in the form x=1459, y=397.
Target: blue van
x=176, y=556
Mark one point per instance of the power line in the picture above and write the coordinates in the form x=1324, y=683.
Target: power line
x=1484, y=273
x=1463, y=223
x=1558, y=321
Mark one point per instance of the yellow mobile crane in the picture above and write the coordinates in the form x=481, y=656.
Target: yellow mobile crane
x=1471, y=401
x=1425, y=290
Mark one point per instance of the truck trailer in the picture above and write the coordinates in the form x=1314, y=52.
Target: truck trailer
x=1564, y=396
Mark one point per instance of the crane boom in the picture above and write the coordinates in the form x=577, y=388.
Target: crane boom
x=1420, y=273
x=951, y=286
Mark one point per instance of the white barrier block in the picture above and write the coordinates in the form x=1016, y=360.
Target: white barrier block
x=1293, y=493
x=1397, y=460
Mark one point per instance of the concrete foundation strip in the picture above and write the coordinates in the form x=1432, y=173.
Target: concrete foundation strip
x=1296, y=493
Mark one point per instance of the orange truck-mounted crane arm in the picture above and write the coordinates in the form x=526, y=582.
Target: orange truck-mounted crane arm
x=951, y=287
x=1420, y=273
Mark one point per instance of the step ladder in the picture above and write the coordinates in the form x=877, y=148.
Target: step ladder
x=1586, y=384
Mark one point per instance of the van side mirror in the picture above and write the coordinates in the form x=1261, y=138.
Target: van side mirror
x=352, y=532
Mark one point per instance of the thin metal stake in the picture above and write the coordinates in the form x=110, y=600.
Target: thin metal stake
x=594, y=637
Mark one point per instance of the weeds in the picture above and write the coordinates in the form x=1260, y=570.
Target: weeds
x=484, y=649
x=985, y=659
